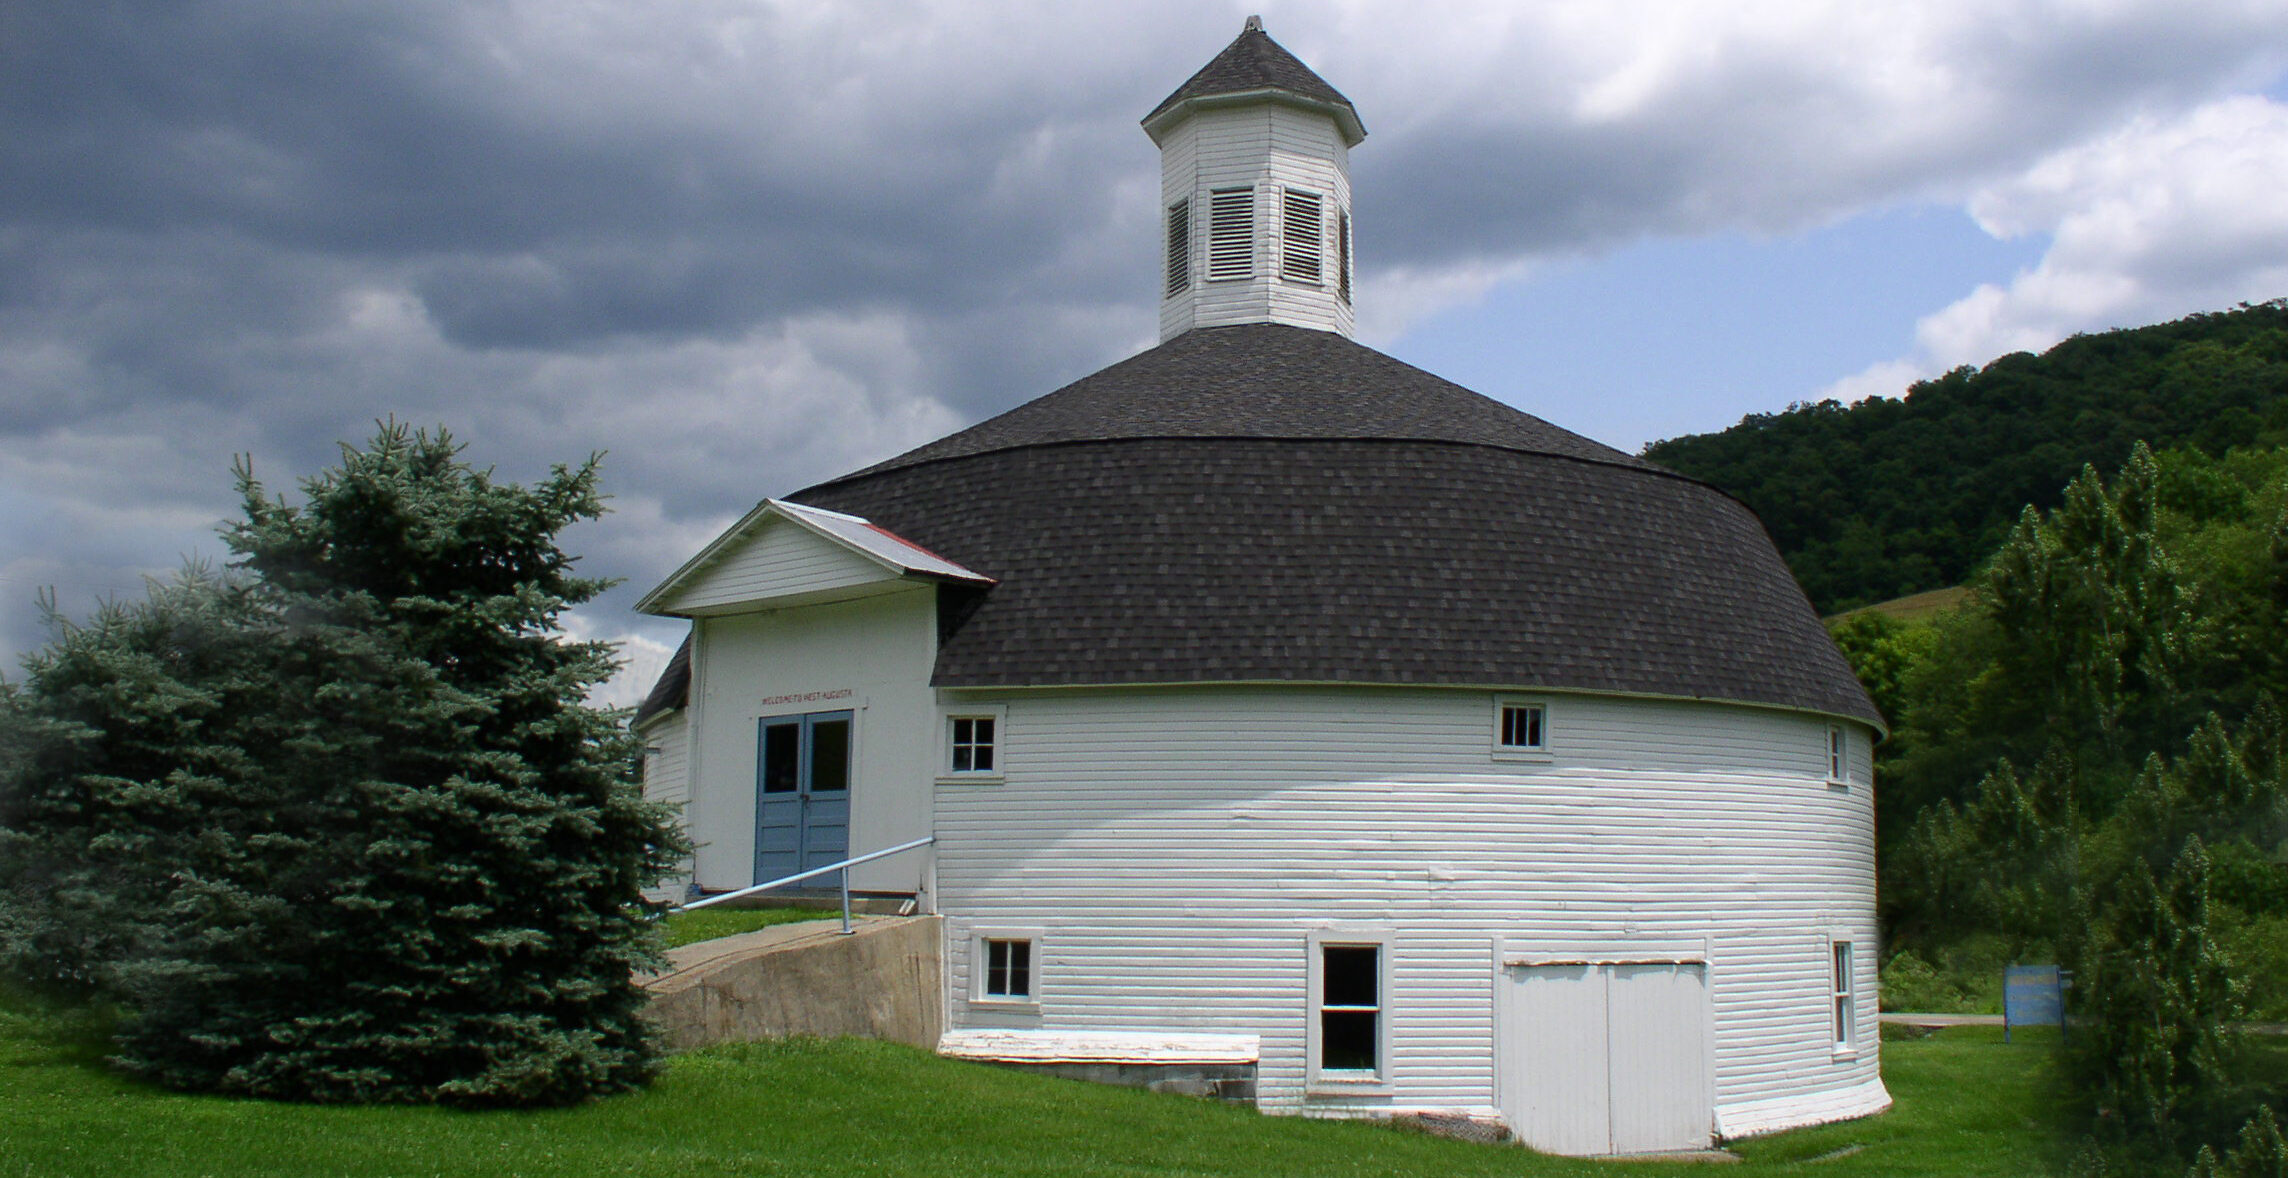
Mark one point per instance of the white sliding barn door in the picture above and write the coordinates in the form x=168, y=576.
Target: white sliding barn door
x=1601, y=1058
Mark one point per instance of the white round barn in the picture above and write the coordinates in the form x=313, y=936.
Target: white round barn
x=1277, y=704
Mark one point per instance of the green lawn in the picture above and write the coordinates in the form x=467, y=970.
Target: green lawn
x=1967, y=1106
x=684, y=928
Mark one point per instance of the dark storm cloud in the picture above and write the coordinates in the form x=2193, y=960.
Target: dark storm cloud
x=745, y=246
x=526, y=207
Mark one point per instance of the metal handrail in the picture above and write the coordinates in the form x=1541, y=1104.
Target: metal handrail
x=843, y=867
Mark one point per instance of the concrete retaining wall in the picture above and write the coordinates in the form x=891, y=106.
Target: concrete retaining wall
x=883, y=981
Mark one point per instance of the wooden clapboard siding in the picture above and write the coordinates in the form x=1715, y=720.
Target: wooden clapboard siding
x=870, y=656
x=778, y=561
x=1266, y=147
x=1179, y=180
x=667, y=778
x=1177, y=846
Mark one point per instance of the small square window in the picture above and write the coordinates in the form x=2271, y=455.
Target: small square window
x=1008, y=969
x=1005, y=967
x=1521, y=729
x=970, y=744
x=973, y=744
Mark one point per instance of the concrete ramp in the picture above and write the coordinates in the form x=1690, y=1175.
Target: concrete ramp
x=883, y=981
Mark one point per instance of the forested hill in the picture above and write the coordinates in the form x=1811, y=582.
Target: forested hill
x=1889, y=497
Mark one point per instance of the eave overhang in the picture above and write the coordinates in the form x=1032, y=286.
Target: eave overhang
x=1159, y=123
x=897, y=556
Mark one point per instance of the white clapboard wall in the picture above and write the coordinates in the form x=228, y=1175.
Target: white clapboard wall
x=1173, y=851
x=1269, y=147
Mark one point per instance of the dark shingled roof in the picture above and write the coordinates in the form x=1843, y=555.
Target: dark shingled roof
x=1252, y=62
x=673, y=689
x=1277, y=504
x=1262, y=381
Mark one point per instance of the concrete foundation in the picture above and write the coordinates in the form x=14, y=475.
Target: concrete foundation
x=1233, y=1082
x=883, y=981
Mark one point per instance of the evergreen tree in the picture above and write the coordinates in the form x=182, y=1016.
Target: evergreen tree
x=2153, y=1044
x=108, y=757
x=386, y=850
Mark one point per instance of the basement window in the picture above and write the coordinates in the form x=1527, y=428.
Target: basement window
x=1179, y=248
x=1231, y=234
x=1302, y=233
x=1350, y=1039
x=1521, y=729
x=1005, y=966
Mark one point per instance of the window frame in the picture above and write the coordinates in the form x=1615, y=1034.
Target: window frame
x=998, y=714
x=1514, y=752
x=1220, y=252
x=1294, y=252
x=980, y=954
x=1325, y=1081
x=1176, y=277
x=1838, y=756
x=1843, y=995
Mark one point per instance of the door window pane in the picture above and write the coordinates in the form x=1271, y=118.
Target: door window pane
x=782, y=753
x=829, y=756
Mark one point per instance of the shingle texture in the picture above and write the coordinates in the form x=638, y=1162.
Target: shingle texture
x=1252, y=62
x=673, y=689
x=1262, y=381
x=1149, y=527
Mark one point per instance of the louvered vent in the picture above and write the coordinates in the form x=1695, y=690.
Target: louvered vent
x=1231, y=234
x=1179, y=247
x=1301, y=237
x=1343, y=256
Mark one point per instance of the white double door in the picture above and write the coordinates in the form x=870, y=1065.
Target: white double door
x=1606, y=1057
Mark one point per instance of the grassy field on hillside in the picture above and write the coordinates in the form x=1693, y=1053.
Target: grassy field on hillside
x=1967, y=1105
x=1916, y=607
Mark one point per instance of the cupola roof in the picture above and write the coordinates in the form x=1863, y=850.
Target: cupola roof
x=1255, y=65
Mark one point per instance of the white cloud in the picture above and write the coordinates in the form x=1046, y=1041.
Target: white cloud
x=747, y=246
x=643, y=653
x=1407, y=295
x=2154, y=220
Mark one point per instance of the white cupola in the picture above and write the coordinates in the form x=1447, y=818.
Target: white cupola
x=1255, y=193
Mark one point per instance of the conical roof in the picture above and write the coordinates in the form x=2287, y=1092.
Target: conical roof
x=1263, y=380
x=1274, y=504
x=1254, y=63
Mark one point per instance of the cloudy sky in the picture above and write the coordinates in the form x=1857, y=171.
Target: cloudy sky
x=745, y=245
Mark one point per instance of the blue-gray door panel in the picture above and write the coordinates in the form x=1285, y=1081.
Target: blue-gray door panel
x=778, y=797
x=826, y=790
x=802, y=793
